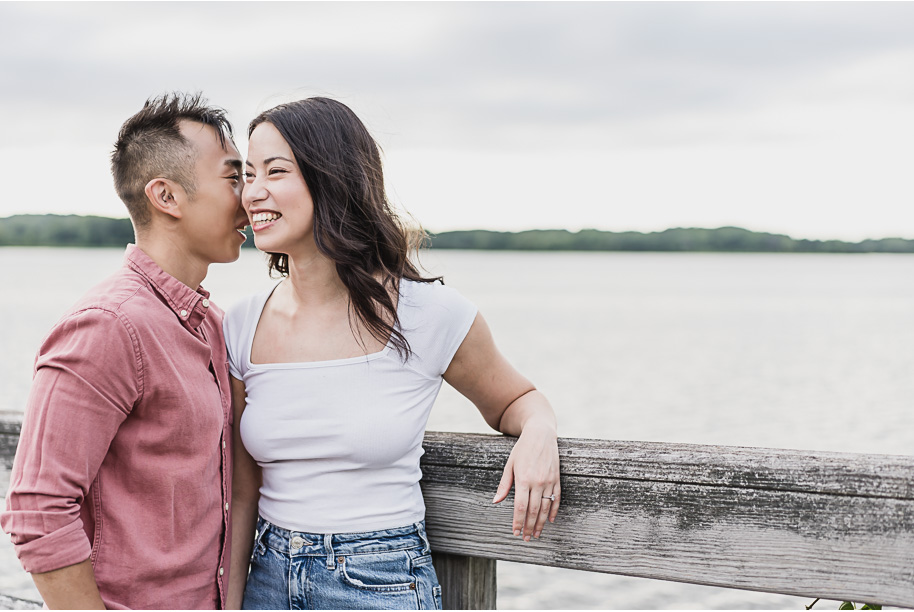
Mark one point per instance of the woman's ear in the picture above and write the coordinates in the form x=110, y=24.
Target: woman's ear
x=165, y=196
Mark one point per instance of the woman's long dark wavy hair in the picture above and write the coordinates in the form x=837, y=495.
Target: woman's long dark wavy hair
x=354, y=223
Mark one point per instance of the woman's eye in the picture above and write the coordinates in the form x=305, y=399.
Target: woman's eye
x=248, y=176
x=277, y=170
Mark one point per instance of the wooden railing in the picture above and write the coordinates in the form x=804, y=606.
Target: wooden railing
x=814, y=524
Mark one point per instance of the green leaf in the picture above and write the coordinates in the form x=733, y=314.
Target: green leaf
x=871, y=607
x=847, y=605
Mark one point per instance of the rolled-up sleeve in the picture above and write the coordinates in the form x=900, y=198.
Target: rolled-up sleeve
x=88, y=376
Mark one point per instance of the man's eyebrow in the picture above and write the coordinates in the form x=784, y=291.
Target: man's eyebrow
x=233, y=163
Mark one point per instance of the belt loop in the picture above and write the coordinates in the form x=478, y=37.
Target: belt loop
x=420, y=529
x=264, y=527
x=328, y=545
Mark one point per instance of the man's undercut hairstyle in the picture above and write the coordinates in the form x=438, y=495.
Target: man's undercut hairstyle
x=150, y=145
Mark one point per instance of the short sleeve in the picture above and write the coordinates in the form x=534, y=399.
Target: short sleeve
x=435, y=320
x=233, y=328
x=238, y=326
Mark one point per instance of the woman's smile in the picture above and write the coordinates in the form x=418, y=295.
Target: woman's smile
x=263, y=219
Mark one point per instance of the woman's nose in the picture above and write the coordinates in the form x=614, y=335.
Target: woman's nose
x=252, y=192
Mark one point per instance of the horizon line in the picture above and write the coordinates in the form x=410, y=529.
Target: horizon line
x=555, y=229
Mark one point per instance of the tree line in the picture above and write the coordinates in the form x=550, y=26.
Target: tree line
x=90, y=231
x=722, y=239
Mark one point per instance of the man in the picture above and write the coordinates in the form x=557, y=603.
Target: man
x=120, y=491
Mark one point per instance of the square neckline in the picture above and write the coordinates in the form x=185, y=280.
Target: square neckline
x=280, y=365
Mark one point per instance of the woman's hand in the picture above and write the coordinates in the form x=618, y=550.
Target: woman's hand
x=533, y=468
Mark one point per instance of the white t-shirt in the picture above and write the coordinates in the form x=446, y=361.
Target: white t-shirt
x=339, y=441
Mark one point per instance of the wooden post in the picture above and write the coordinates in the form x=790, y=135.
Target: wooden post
x=467, y=583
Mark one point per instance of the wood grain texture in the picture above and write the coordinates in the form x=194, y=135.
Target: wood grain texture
x=16, y=603
x=756, y=468
x=835, y=525
x=813, y=524
x=467, y=583
x=9, y=438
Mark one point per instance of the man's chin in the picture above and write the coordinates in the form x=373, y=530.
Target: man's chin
x=234, y=257
x=229, y=255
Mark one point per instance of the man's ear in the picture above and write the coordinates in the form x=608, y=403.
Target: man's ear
x=165, y=196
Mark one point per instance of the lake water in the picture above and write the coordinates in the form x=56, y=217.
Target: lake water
x=774, y=350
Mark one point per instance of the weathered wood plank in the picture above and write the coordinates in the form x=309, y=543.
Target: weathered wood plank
x=467, y=583
x=757, y=468
x=9, y=438
x=16, y=603
x=753, y=531
x=834, y=525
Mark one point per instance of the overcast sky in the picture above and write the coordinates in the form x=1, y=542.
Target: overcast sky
x=788, y=117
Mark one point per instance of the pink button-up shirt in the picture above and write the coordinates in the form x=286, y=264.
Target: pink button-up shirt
x=124, y=453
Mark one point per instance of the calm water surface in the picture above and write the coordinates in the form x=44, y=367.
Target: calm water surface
x=773, y=350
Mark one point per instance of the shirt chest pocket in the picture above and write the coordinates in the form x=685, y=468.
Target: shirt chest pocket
x=188, y=397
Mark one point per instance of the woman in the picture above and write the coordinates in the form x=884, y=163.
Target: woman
x=334, y=373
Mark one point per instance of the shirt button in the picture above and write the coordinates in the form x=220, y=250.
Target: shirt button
x=205, y=303
x=297, y=543
x=183, y=313
x=226, y=507
x=221, y=571
x=223, y=444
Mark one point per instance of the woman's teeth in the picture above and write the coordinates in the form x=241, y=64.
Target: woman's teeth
x=264, y=217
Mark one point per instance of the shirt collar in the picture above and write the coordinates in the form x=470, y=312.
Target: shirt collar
x=189, y=305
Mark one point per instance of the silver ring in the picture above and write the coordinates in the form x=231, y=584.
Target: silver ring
x=549, y=497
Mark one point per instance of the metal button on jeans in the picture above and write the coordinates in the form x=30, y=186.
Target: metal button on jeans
x=296, y=543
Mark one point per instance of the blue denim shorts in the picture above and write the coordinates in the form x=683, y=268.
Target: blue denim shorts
x=376, y=570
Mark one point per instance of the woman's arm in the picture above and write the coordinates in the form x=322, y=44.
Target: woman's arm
x=512, y=405
x=246, y=480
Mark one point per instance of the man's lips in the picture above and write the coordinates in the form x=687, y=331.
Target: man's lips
x=240, y=226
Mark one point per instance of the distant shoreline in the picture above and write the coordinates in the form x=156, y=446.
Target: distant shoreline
x=92, y=231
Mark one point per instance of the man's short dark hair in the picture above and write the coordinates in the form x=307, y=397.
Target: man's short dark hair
x=150, y=145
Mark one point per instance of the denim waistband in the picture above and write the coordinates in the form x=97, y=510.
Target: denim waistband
x=297, y=543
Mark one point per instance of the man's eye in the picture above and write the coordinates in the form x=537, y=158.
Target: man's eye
x=234, y=177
